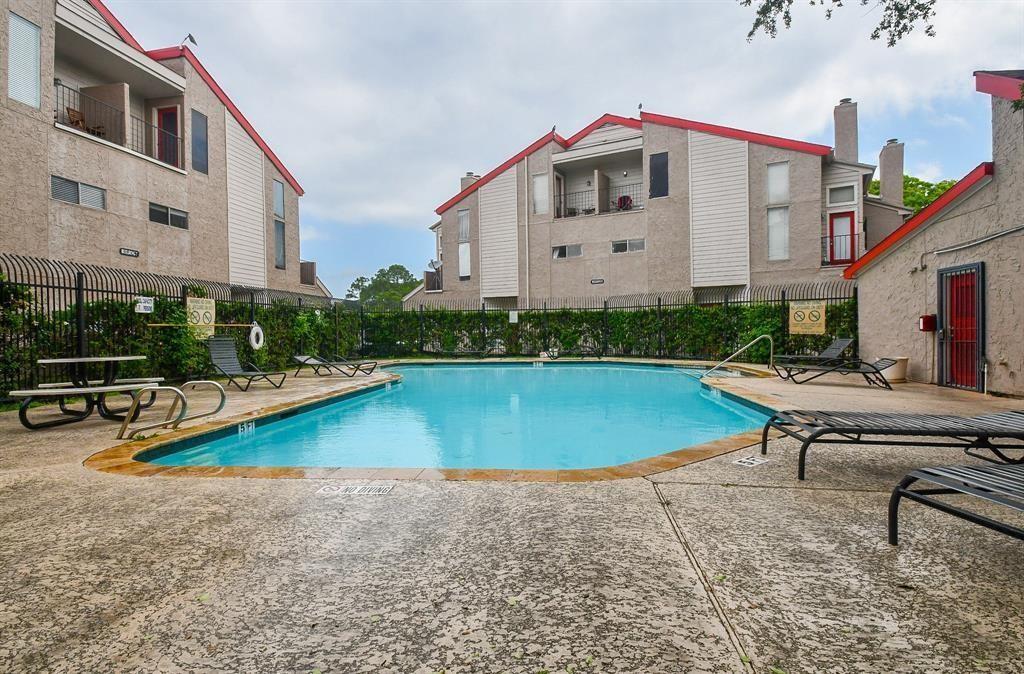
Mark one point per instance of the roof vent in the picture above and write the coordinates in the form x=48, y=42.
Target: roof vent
x=845, y=100
x=891, y=141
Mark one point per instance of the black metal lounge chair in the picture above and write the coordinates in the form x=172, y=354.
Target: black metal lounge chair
x=872, y=372
x=224, y=357
x=364, y=366
x=988, y=431
x=321, y=367
x=834, y=351
x=999, y=484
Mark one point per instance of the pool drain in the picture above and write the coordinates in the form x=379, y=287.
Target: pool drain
x=359, y=489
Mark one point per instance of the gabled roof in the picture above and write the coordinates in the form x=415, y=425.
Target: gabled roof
x=633, y=123
x=1001, y=83
x=923, y=218
x=186, y=53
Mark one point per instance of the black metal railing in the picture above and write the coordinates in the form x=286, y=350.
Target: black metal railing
x=573, y=204
x=89, y=115
x=838, y=249
x=623, y=198
x=432, y=281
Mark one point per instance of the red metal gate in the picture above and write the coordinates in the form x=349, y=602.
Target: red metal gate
x=961, y=313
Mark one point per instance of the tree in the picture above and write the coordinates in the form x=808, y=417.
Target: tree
x=1018, y=104
x=898, y=16
x=388, y=286
x=917, y=193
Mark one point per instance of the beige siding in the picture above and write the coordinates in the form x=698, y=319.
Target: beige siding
x=499, y=241
x=246, y=238
x=719, y=212
x=84, y=10
x=608, y=133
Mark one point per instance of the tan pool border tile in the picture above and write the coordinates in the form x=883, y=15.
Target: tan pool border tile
x=120, y=459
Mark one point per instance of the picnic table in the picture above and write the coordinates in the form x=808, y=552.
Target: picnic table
x=94, y=391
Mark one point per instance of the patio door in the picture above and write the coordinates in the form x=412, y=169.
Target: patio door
x=167, y=135
x=961, y=326
x=841, y=248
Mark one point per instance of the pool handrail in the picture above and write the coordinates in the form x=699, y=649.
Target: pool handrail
x=173, y=420
x=771, y=353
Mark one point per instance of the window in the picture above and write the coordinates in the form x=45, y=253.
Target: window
x=568, y=250
x=659, y=175
x=778, y=233
x=629, y=246
x=464, y=226
x=278, y=198
x=540, y=193
x=23, y=63
x=846, y=194
x=200, y=147
x=166, y=215
x=73, y=192
x=279, y=256
x=778, y=183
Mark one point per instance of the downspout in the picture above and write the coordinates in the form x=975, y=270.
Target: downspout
x=526, y=215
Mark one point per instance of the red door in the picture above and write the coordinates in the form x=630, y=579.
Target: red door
x=167, y=135
x=841, y=245
x=960, y=323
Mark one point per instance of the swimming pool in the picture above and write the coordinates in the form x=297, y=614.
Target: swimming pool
x=543, y=416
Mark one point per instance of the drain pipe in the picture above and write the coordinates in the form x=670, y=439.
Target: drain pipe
x=526, y=215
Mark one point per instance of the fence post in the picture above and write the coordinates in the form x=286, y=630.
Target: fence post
x=604, y=330
x=661, y=332
x=302, y=337
x=421, y=328
x=362, y=332
x=337, y=351
x=544, y=322
x=483, y=327
x=82, y=344
x=252, y=306
x=785, y=324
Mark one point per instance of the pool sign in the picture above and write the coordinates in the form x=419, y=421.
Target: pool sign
x=807, y=317
x=143, y=305
x=202, y=314
x=513, y=317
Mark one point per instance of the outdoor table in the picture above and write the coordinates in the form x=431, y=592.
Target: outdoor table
x=78, y=375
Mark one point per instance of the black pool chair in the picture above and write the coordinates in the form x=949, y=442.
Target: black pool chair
x=834, y=351
x=872, y=372
x=988, y=432
x=224, y=357
x=364, y=366
x=321, y=367
x=1003, y=485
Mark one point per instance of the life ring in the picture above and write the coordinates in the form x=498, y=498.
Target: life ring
x=256, y=338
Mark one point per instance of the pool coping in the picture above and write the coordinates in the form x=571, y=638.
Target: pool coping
x=121, y=459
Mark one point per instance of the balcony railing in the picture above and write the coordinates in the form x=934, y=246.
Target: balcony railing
x=590, y=202
x=572, y=204
x=838, y=250
x=623, y=198
x=432, y=281
x=89, y=115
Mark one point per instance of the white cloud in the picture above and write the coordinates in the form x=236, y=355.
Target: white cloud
x=930, y=171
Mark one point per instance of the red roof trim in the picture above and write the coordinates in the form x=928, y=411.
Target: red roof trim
x=739, y=134
x=118, y=27
x=548, y=137
x=186, y=53
x=598, y=123
x=998, y=85
x=931, y=210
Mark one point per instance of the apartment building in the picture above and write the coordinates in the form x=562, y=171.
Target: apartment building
x=132, y=158
x=658, y=203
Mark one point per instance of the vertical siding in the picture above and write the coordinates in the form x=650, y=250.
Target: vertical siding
x=719, y=212
x=247, y=257
x=499, y=238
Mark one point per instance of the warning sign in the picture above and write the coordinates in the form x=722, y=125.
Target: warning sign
x=807, y=317
x=202, y=314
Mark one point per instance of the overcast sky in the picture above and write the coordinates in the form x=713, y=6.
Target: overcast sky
x=378, y=108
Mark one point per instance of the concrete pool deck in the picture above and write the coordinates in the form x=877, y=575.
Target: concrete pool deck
x=695, y=569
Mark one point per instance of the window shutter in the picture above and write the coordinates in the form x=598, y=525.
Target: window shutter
x=23, y=60
x=64, y=189
x=92, y=196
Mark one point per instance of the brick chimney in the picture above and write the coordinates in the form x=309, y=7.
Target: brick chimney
x=845, y=115
x=890, y=172
x=468, y=179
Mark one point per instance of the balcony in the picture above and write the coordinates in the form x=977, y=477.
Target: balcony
x=432, y=281
x=95, y=117
x=596, y=185
x=608, y=200
x=838, y=250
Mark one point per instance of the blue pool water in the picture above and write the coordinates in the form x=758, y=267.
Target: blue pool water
x=517, y=416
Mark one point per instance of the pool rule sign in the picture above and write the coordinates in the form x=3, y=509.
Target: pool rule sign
x=807, y=317
x=202, y=314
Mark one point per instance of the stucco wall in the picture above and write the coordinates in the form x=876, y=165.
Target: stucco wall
x=896, y=289
x=668, y=234
x=879, y=222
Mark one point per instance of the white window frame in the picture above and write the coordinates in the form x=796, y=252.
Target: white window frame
x=768, y=184
x=278, y=188
x=570, y=250
x=631, y=246
x=540, y=207
x=31, y=59
x=462, y=217
x=828, y=195
x=777, y=255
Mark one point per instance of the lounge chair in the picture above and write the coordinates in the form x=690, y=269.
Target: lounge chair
x=832, y=352
x=364, y=366
x=872, y=372
x=321, y=367
x=999, y=484
x=224, y=356
x=988, y=431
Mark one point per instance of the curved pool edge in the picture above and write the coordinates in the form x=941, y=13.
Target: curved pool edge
x=122, y=459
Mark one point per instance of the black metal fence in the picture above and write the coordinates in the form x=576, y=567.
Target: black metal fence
x=51, y=309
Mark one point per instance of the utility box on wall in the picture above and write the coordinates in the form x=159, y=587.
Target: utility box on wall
x=927, y=323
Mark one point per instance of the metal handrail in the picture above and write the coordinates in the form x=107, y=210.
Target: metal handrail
x=171, y=419
x=771, y=353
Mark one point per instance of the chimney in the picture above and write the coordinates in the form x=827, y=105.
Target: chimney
x=890, y=172
x=468, y=179
x=845, y=116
